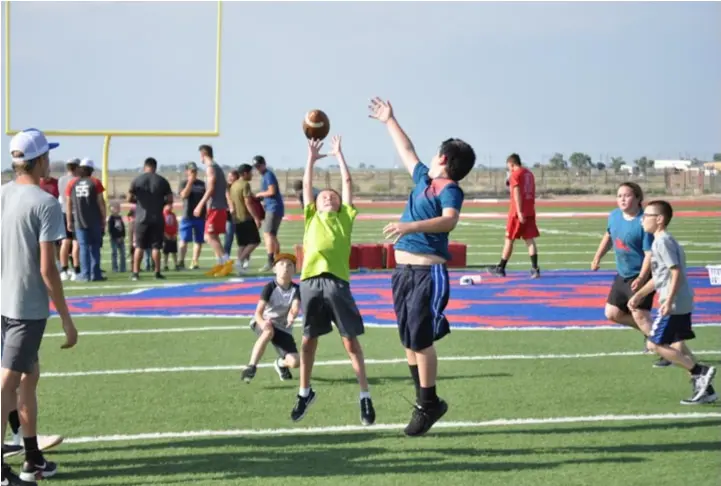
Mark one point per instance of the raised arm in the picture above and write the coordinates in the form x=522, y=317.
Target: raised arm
x=383, y=112
x=314, y=154
x=346, y=180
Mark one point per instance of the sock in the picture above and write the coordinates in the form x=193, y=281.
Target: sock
x=77, y=269
x=304, y=392
x=502, y=265
x=14, y=421
x=270, y=258
x=65, y=268
x=32, y=453
x=534, y=261
x=416, y=380
x=428, y=397
x=365, y=394
x=697, y=369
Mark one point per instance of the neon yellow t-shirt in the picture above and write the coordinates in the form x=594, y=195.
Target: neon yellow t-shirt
x=327, y=242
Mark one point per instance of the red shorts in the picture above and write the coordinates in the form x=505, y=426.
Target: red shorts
x=515, y=230
x=215, y=221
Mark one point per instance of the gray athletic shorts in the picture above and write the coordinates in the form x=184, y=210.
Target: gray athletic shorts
x=271, y=223
x=326, y=299
x=21, y=340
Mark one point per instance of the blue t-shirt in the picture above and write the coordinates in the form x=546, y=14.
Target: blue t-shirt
x=427, y=200
x=273, y=204
x=630, y=242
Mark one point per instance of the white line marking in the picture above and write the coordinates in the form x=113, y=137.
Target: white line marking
x=170, y=330
x=341, y=362
x=378, y=427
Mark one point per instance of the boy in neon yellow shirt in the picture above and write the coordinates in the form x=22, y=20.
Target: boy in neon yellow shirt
x=325, y=294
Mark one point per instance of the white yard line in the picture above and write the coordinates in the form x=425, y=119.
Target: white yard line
x=190, y=434
x=506, y=357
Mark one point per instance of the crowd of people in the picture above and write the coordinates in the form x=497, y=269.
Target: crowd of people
x=648, y=260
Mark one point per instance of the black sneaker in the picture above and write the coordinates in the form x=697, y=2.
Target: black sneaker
x=367, y=412
x=9, y=478
x=423, y=418
x=497, y=271
x=35, y=471
x=248, y=373
x=10, y=450
x=662, y=363
x=702, y=381
x=535, y=273
x=283, y=371
x=159, y=276
x=134, y=277
x=301, y=406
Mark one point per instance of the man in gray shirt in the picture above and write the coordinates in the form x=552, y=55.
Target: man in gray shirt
x=69, y=243
x=216, y=200
x=32, y=223
x=672, y=325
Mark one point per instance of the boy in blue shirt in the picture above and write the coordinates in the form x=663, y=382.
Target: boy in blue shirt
x=420, y=281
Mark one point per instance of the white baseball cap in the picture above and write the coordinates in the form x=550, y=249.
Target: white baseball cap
x=32, y=143
x=87, y=163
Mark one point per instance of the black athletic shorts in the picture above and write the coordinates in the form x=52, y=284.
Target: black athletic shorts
x=149, y=235
x=69, y=235
x=326, y=299
x=246, y=233
x=170, y=247
x=420, y=295
x=21, y=340
x=282, y=341
x=671, y=329
x=621, y=293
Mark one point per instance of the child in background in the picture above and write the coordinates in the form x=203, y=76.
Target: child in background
x=116, y=230
x=277, y=309
x=170, y=236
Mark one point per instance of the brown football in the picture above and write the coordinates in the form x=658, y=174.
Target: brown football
x=316, y=125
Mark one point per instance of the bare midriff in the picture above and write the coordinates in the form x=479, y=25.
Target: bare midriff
x=408, y=258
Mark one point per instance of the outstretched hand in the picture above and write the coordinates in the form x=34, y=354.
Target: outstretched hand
x=335, y=149
x=314, y=147
x=380, y=110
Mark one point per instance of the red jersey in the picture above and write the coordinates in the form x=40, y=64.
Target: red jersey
x=526, y=182
x=98, y=185
x=171, y=223
x=50, y=185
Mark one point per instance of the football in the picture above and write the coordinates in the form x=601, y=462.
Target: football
x=316, y=125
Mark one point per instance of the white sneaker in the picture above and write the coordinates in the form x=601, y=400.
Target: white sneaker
x=246, y=263
x=64, y=276
x=73, y=276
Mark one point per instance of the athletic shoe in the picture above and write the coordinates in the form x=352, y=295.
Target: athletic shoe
x=134, y=277
x=535, y=273
x=9, y=478
x=225, y=270
x=213, y=269
x=45, y=442
x=423, y=419
x=283, y=371
x=246, y=263
x=705, y=398
x=662, y=363
x=301, y=406
x=702, y=381
x=497, y=271
x=367, y=412
x=10, y=450
x=34, y=471
x=248, y=373
x=64, y=276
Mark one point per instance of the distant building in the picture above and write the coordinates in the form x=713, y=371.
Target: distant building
x=672, y=164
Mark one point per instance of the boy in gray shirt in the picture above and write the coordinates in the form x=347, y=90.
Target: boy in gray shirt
x=672, y=324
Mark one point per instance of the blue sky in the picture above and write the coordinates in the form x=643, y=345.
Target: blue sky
x=626, y=79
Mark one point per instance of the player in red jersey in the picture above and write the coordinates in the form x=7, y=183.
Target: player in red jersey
x=521, y=216
x=49, y=184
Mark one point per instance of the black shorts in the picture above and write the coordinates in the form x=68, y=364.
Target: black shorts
x=149, y=235
x=170, y=247
x=420, y=295
x=326, y=299
x=21, y=340
x=246, y=233
x=282, y=341
x=621, y=293
x=671, y=329
x=69, y=235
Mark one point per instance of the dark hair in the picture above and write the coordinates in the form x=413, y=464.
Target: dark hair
x=245, y=168
x=636, y=189
x=460, y=158
x=664, y=209
x=152, y=163
x=515, y=159
x=85, y=171
x=298, y=185
x=259, y=159
x=206, y=150
x=235, y=173
x=72, y=165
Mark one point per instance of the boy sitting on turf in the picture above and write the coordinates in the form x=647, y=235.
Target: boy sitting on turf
x=672, y=325
x=325, y=294
x=277, y=309
x=420, y=280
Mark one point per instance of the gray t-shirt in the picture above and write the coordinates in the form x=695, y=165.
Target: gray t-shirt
x=666, y=253
x=217, y=199
x=29, y=216
x=62, y=186
x=278, y=303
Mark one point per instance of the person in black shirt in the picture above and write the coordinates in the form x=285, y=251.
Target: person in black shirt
x=151, y=192
x=116, y=230
x=192, y=228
